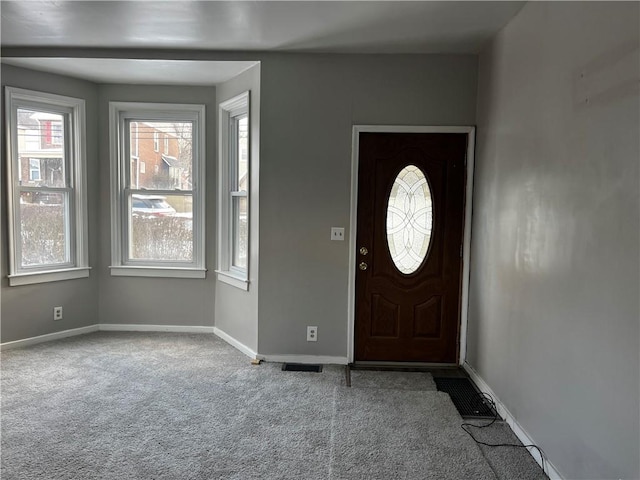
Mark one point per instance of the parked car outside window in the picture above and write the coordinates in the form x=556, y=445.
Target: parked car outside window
x=150, y=206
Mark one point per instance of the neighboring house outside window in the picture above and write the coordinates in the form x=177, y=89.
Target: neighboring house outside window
x=56, y=133
x=149, y=167
x=158, y=210
x=47, y=191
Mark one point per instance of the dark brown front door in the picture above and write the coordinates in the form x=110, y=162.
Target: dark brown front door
x=409, y=243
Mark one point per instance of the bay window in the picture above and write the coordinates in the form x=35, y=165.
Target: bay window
x=46, y=187
x=233, y=201
x=157, y=213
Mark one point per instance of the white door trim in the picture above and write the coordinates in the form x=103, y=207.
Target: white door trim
x=466, y=252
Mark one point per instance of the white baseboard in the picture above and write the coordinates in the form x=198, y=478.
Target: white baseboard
x=235, y=343
x=124, y=327
x=520, y=432
x=48, y=337
x=323, y=359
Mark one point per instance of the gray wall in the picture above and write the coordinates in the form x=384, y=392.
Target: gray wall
x=309, y=105
x=27, y=310
x=156, y=301
x=237, y=310
x=553, y=324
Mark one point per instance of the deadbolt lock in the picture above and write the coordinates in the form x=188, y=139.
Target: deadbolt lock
x=363, y=250
x=362, y=266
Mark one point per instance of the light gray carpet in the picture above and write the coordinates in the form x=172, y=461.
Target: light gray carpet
x=388, y=434
x=114, y=405
x=392, y=380
x=506, y=462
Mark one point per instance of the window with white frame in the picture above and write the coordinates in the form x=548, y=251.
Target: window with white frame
x=166, y=144
x=46, y=187
x=157, y=214
x=34, y=169
x=233, y=201
x=156, y=141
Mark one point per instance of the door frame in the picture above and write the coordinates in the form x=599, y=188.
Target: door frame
x=466, y=243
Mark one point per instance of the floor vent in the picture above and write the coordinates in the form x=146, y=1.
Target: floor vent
x=465, y=397
x=301, y=367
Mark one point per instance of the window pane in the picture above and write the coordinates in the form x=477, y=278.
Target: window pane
x=41, y=148
x=409, y=219
x=240, y=232
x=43, y=228
x=167, y=169
x=243, y=152
x=161, y=227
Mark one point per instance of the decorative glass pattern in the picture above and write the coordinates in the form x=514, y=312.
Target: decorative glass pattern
x=409, y=219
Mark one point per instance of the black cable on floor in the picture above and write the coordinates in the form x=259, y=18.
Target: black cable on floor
x=485, y=397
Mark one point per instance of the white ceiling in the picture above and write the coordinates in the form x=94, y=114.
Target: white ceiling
x=290, y=26
x=135, y=71
x=359, y=27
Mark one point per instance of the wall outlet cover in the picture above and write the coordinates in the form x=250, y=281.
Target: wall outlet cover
x=337, y=233
x=312, y=334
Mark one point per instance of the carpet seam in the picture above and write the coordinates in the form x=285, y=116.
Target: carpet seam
x=332, y=431
x=486, y=459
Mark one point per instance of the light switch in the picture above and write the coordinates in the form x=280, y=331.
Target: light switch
x=337, y=233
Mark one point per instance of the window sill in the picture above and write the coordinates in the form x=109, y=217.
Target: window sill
x=158, y=272
x=234, y=280
x=48, y=276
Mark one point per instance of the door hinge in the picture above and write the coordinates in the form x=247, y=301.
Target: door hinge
x=461, y=248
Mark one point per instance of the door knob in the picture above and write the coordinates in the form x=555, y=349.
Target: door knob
x=362, y=266
x=363, y=250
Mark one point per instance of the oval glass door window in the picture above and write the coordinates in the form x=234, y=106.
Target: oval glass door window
x=409, y=219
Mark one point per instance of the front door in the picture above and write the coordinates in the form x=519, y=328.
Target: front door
x=409, y=246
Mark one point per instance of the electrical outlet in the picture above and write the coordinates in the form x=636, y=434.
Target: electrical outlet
x=337, y=233
x=312, y=334
x=57, y=313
